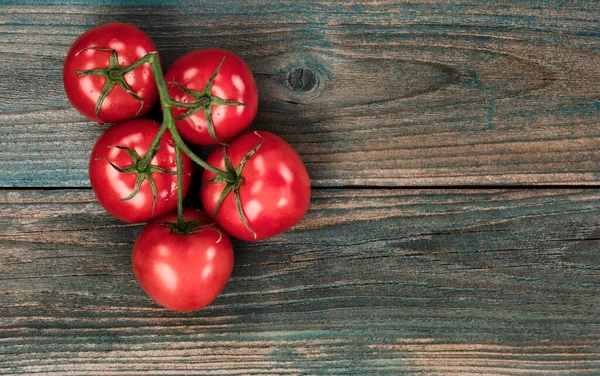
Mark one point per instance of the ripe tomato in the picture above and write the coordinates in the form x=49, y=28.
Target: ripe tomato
x=112, y=187
x=218, y=99
x=274, y=192
x=182, y=272
x=93, y=51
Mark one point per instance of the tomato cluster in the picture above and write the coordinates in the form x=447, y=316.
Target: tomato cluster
x=254, y=185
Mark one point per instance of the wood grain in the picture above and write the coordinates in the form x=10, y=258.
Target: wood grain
x=371, y=282
x=375, y=280
x=382, y=93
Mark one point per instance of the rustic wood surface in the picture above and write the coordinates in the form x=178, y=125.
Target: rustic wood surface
x=392, y=94
x=371, y=282
x=430, y=248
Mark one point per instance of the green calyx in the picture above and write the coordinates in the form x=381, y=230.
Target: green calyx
x=190, y=227
x=233, y=183
x=114, y=75
x=204, y=101
x=142, y=170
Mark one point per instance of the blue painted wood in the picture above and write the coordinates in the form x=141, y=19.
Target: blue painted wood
x=405, y=94
x=373, y=281
x=430, y=282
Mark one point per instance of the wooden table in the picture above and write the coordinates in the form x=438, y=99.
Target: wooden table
x=454, y=228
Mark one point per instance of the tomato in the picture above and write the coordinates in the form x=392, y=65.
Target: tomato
x=122, y=44
x=225, y=104
x=113, y=187
x=274, y=189
x=182, y=272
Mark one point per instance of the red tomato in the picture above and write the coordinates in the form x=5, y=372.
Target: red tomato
x=92, y=50
x=274, y=194
x=182, y=272
x=112, y=187
x=191, y=81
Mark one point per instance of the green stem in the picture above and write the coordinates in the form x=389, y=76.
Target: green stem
x=168, y=122
x=152, y=59
x=146, y=59
x=180, y=220
x=153, y=149
x=182, y=104
x=179, y=141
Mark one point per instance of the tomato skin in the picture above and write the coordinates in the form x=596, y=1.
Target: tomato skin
x=182, y=272
x=111, y=186
x=275, y=194
x=234, y=82
x=83, y=92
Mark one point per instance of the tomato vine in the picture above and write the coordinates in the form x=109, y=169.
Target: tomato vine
x=254, y=185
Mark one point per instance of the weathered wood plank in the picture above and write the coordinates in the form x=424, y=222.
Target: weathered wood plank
x=382, y=94
x=371, y=282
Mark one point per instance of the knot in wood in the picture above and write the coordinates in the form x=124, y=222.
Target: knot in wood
x=302, y=79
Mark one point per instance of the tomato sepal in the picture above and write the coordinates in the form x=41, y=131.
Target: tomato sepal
x=204, y=100
x=233, y=185
x=114, y=75
x=191, y=227
x=142, y=170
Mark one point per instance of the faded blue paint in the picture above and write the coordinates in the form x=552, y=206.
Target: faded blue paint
x=490, y=97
